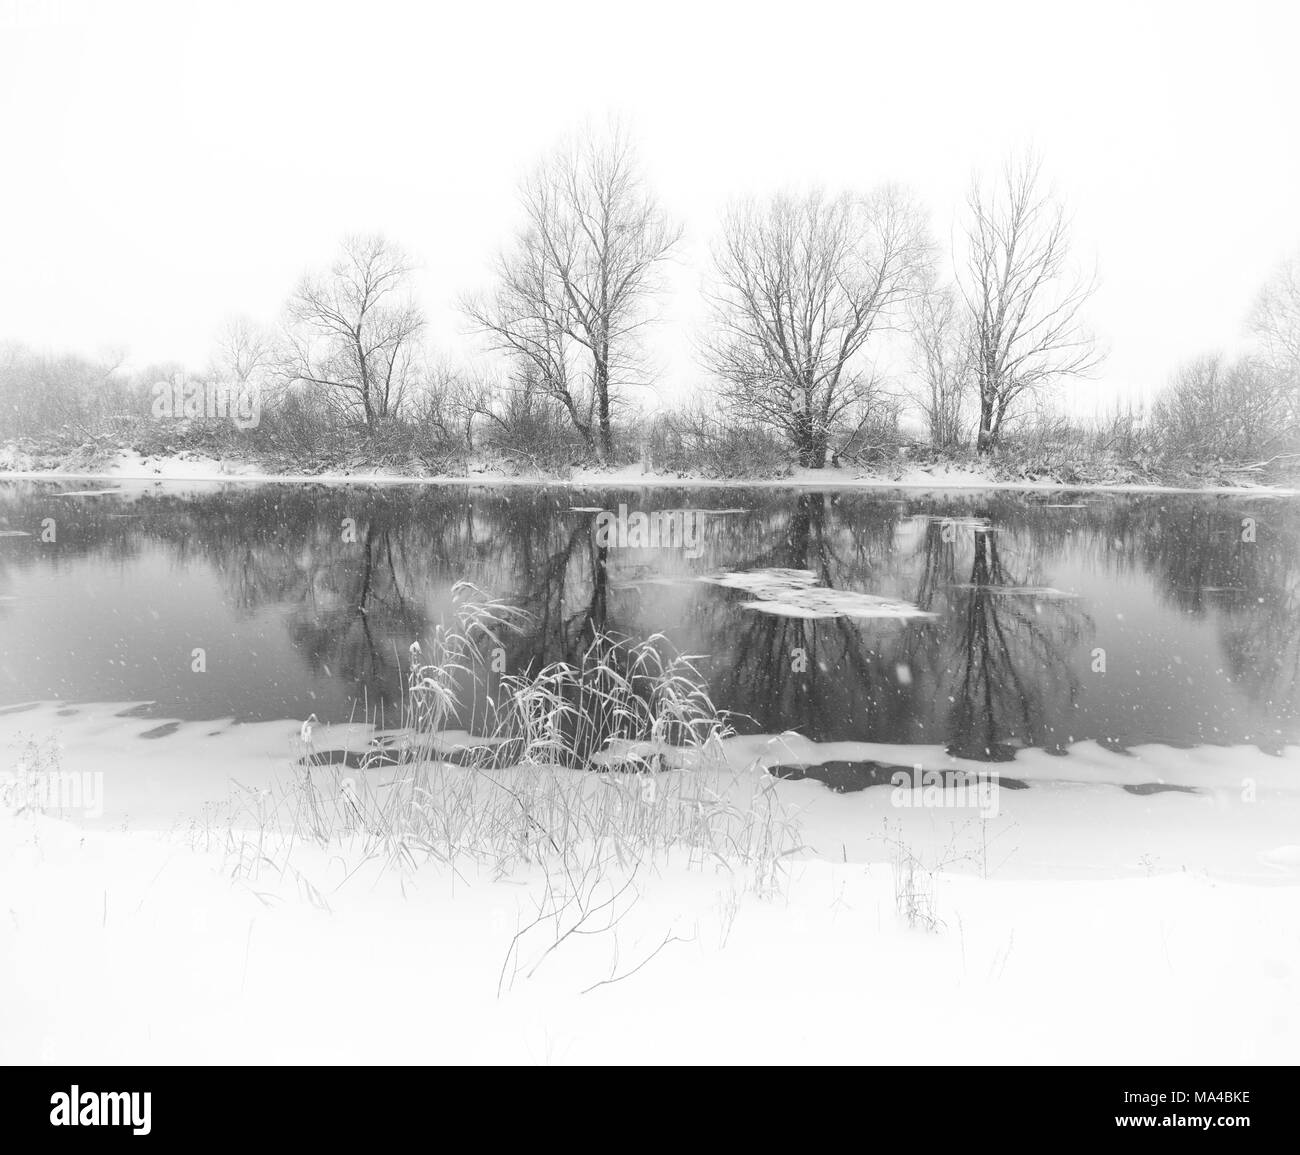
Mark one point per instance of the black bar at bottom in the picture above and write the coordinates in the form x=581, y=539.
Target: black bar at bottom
x=335, y=1104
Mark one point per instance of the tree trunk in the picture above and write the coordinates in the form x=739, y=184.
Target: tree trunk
x=817, y=450
x=812, y=450
x=601, y=375
x=988, y=433
x=810, y=441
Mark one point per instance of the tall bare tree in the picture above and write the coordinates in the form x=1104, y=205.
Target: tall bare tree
x=801, y=286
x=1024, y=300
x=572, y=294
x=353, y=333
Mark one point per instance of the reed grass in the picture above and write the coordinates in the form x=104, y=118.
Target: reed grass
x=613, y=761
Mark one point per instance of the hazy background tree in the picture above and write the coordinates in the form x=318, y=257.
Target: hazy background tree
x=1216, y=408
x=942, y=361
x=1023, y=299
x=64, y=395
x=801, y=285
x=1275, y=322
x=352, y=334
x=245, y=353
x=444, y=402
x=573, y=292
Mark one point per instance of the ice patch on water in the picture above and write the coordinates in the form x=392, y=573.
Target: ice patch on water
x=976, y=524
x=1020, y=591
x=784, y=609
x=763, y=581
x=796, y=593
x=696, y=512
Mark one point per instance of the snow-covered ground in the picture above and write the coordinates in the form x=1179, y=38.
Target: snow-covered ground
x=130, y=466
x=1079, y=923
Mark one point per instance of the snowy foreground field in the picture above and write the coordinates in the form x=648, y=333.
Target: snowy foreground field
x=1082, y=922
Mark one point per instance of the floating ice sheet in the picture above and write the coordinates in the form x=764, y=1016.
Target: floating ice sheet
x=976, y=524
x=795, y=593
x=1016, y=591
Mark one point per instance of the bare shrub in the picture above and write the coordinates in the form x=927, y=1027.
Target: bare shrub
x=1214, y=408
x=696, y=438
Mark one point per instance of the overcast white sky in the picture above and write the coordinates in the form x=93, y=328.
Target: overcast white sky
x=168, y=165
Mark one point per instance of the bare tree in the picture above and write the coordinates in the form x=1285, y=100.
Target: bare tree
x=942, y=356
x=1275, y=321
x=801, y=285
x=1023, y=299
x=572, y=294
x=352, y=334
x=245, y=354
x=436, y=402
x=527, y=318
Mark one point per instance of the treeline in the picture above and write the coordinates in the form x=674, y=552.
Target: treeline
x=802, y=290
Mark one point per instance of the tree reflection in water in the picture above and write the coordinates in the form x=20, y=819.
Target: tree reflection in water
x=991, y=670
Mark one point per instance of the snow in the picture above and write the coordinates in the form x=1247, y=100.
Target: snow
x=1285, y=858
x=832, y=603
x=795, y=593
x=88, y=492
x=131, y=466
x=134, y=949
x=1082, y=924
x=1016, y=591
x=976, y=524
x=170, y=782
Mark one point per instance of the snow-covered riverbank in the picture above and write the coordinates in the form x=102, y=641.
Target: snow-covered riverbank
x=1084, y=922
x=129, y=466
x=131, y=947
x=1088, y=813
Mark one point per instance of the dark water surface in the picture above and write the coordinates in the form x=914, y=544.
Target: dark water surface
x=1197, y=625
